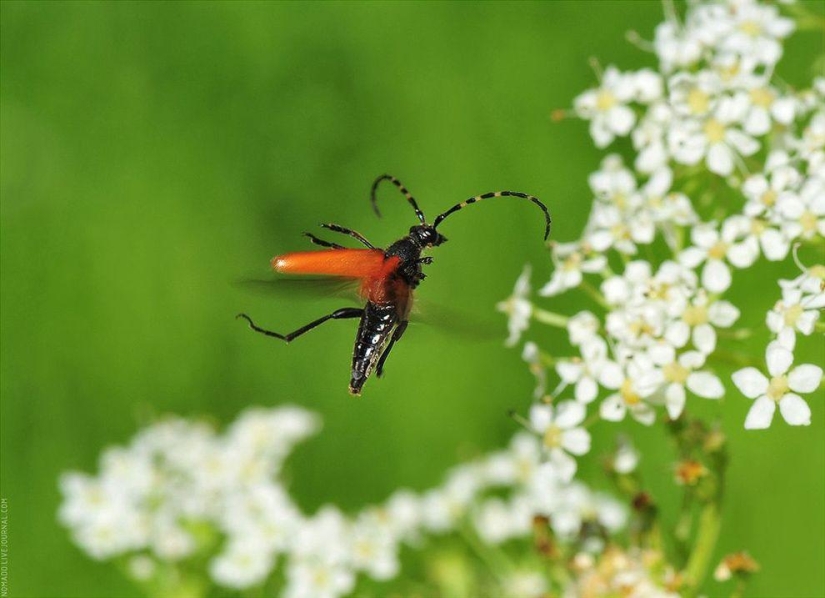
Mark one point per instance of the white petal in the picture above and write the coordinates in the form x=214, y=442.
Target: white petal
x=745, y=253
x=569, y=414
x=760, y=414
x=807, y=322
x=706, y=385
x=745, y=144
x=611, y=375
x=704, y=337
x=720, y=159
x=692, y=257
x=613, y=408
x=677, y=333
x=569, y=371
x=643, y=413
x=787, y=338
x=563, y=464
x=723, y=313
x=716, y=276
x=576, y=441
x=751, y=382
x=795, y=410
x=541, y=416
x=586, y=390
x=675, y=400
x=779, y=359
x=805, y=378
x=774, y=245
x=621, y=119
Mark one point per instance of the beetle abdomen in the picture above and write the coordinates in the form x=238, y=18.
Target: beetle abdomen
x=375, y=329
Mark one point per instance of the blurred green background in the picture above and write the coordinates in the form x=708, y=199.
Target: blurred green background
x=152, y=154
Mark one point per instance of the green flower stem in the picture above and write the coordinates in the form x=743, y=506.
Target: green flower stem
x=497, y=563
x=734, y=359
x=550, y=318
x=710, y=523
x=594, y=294
x=737, y=335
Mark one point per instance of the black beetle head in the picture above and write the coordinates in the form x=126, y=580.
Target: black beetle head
x=425, y=235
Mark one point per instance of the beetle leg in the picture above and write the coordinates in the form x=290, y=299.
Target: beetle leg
x=321, y=242
x=338, y=314
x=396, y=336
x=347, y=231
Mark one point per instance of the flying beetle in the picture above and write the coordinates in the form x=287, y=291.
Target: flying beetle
x=385, y=278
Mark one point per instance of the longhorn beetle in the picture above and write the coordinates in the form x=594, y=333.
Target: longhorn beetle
x=386, y=279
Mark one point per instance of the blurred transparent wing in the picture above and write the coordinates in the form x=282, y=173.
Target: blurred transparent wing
x=457, y=323
x=321, y=287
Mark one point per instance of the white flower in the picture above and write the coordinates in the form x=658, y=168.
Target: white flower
x=498, y=521
x=626, y=457
x=678, y=373
x=605, y=107
x=793, y=312
x=582, y=327
x=715, y=248
x=699, y=320
x=525, y=584
x=244, y=563
x=374, y=549
x=756, y=33
x=318, y=579
x=763, y=190
x=631, y=396
x=594, y=368
x=532, y=356
x=777, y=390
x=766, y=105
x=561, y=434
x=516, y=465
x=803, y=215
x=717, y=138
x=570, y=261
x=518, y=308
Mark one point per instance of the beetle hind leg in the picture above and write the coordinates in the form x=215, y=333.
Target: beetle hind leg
x=338, y=314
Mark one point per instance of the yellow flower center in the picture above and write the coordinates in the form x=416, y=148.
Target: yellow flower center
x=605, y=100
x=718, y=251
x=620, y=231
x=769, y=197
x=552, y=436
x=628, y=394
x=762, y=96
x=751, y=28
x=778, y=387
x=675, y=372
x=698, y=101
x=817, y=271
x=695, y=315
x=572, y=262
x=714, y=130
x=808, y=221
x=792, y=315
x=758, y=226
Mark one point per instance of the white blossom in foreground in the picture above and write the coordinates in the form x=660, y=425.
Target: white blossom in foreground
x=561, y=434
x=780, y=389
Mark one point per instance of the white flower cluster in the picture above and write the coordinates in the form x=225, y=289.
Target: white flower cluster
x=665, y=238
x=180, y=491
